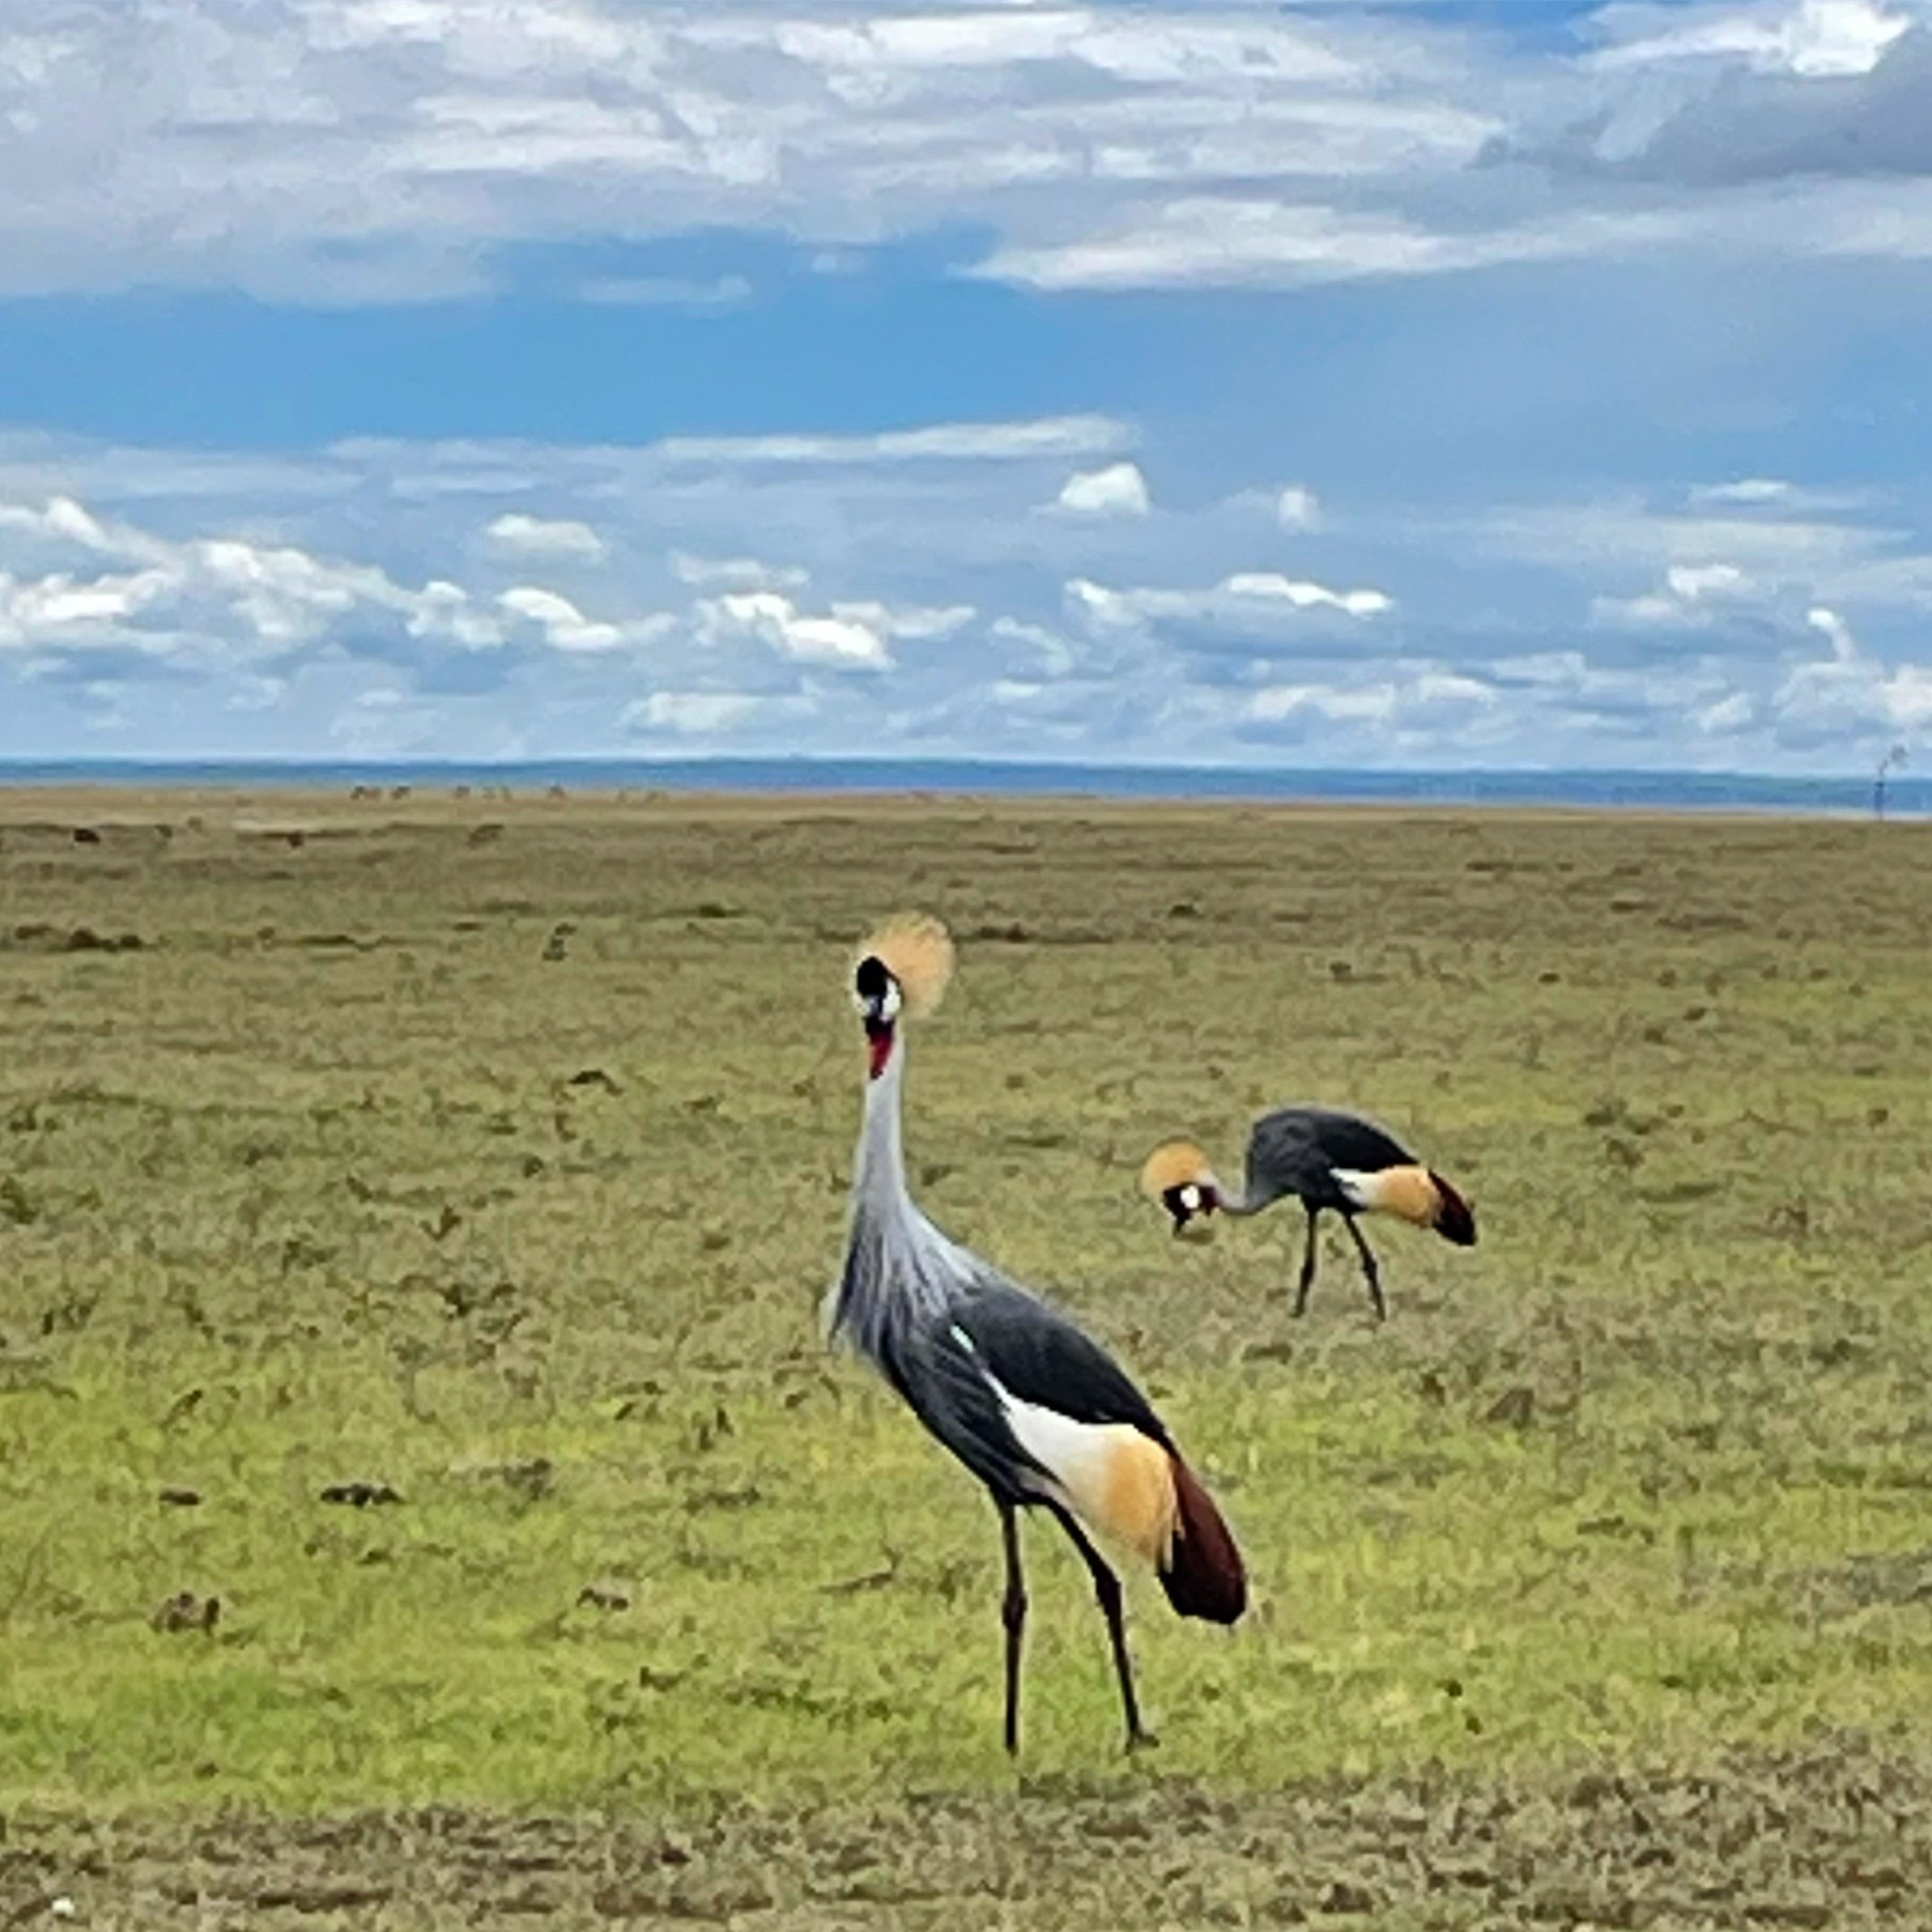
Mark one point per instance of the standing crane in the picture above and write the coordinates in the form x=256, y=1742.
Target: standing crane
x=1036, y=1409
x=1330, y=1161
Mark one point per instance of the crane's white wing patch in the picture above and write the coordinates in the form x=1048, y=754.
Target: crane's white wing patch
x=1358, y=1187
x=1113, y=1478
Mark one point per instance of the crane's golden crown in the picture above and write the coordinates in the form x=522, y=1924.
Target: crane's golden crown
x=917, y=950
x=1173, y=1164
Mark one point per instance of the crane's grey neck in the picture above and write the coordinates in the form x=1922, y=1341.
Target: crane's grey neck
x=878, y=1183
x=1246, y=1202
x=899, y=1269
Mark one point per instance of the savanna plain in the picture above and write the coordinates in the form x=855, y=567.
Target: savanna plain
x=425, y=1498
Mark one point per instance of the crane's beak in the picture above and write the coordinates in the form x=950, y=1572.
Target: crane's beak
x=879, y=1039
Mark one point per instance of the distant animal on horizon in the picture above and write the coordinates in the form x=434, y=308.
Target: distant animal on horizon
x=1330, y=1161
x=1033, y=1407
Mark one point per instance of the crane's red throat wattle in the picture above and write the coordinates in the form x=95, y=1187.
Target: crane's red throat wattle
x=878, y=1041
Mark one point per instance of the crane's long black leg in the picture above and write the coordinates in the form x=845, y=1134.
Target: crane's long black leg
x=1307, y=1281
x=1107, y=1589
x=1368, y=1268
x=1013, y=1615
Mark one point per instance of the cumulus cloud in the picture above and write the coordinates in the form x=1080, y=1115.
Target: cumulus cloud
x=1692, y=595
x=1428, y=700
x=690, y=714
x=773, y=620
x=1119, y=490
x=1707, y=98
x=544, y=536
x=1818, y=39
x=561, y=622
x=1297, y=508
x=215, y=598
x=740, y=573
x=1248, y=601
x=1850, y=697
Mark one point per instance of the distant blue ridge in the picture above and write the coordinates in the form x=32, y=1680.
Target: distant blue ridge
x=1667, y=791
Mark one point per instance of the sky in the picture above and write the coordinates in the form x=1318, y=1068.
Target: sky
x=1483, y=383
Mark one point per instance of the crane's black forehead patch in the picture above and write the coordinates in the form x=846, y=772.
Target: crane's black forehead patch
x=871, y=979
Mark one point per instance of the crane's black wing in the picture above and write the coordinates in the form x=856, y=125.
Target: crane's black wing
x=1037, y=1354
x=947, y=1364
x=1295, y=1150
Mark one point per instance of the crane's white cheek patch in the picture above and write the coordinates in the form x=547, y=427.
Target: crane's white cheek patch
x=1116, y=1479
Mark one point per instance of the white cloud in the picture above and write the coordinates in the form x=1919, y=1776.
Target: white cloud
x=1728, y=715
x=545, y=536
x=1843, y=646
x=1693, y=594
x=1850, y=697
x=690, y=714
x=1416, y=709
x=742, y=573
x=1817, y=39
x=1119, y=490
x=340, y=151
x=844, y=643
x=1745, y=489
x=562, y=623
x=225, y=599
x=937, y=612
x=1623, y=533
x=1268, y=586
x=1692, y=582
x=1246, y=600
x=914, y=624
x=1297, y=508
x=1013, y=442
x=1223, y=240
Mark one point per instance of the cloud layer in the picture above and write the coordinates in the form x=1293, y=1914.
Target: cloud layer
x=924, y=591
x=334, y=150
x=1208, y=543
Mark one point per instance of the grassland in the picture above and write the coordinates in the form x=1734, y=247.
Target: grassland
x=492, y=1155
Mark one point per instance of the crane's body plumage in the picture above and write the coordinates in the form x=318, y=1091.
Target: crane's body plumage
x=1331, y=1162
x=1301, y=1150
x=951, y=1334
x=1029, y=1403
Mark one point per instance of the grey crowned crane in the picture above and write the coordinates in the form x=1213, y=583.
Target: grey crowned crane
x=1031, y=1406
x=1331, y=1162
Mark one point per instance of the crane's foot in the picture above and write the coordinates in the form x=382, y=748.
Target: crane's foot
x=1140, y=1739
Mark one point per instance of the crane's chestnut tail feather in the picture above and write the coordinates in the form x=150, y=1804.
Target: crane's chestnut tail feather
x=1455, y=1219
x=1203, y=1574
x=1417, y=1194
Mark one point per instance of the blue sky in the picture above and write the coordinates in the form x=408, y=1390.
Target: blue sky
x=1499, y=384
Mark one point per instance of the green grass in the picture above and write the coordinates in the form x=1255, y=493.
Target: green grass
x=300, y=1191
